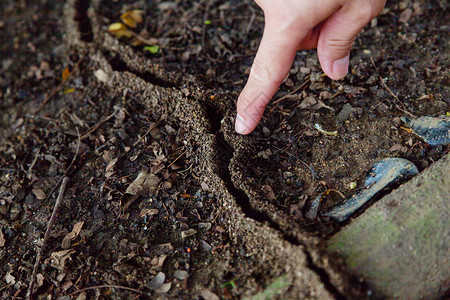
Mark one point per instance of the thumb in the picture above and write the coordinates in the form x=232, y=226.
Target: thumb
x=338, y=34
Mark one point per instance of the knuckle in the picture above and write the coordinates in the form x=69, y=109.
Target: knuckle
x=340, y=44
x=262, y=73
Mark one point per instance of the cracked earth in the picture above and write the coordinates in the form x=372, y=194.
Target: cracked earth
x=145, y=114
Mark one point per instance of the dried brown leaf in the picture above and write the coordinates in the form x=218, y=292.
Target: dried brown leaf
x=132, y=18
x=58, y=258
x=39, y=193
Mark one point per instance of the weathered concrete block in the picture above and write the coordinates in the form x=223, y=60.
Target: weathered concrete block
x=400, y=245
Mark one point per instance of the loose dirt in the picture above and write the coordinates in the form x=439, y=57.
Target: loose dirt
x=227, y=209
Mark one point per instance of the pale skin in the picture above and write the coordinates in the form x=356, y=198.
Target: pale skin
x=290, y=25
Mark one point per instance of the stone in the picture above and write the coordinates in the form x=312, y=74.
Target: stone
x=180, y=274
x=400, y=244
x=157, y=281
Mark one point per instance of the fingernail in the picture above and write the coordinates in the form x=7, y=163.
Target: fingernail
x=340, y=67
x=239, y=125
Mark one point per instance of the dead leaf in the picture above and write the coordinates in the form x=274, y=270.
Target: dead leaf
x=148, y=212
x=269, y=192
x=58, y=259
x=39, y=280
x=164, y=288
x=81, y=296
x=119, y=30
x=398, y=147
x=77, y=228
x=110, y=167
x=158, y=261
x=308, y=102
x=39, y=193
x=10, y=279
x=67, y=241
x=119, y=114
x=144, y=182
x=65, y=74
x=132, y=18
x=77, y=121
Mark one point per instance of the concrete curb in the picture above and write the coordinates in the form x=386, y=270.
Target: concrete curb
x=400, y=245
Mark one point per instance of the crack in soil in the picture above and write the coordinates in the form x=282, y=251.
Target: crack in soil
x=225, y=152
x=82, y=20
x=119, y=65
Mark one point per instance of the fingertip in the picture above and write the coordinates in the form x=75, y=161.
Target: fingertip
x=340, y=67
x=240, y=125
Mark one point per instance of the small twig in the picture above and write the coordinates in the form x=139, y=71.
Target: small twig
x=250, y=23
x=392, y=93
x=55, y=90
x=176, y=159
x=150, y=42
x=313, y=173
x=112, y=286
x=152, y=126
x=94, y=128
x=46, y=237
x=76, y=151
x=33, y=163
x=302, y=86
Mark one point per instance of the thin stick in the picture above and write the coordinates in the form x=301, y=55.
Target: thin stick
x=177, y=159
x=112, y=286
x=76, y=151
x=33, y=163
x=392, y=93
x=313, y=173
x=46, y=237
x=250, y=23
x=152, y=126
x=94, y=128
x=304, y=84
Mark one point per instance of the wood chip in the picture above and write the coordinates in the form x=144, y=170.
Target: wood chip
x=39, y=193
x=144, y=183
x=2, y=239
x=101, y=75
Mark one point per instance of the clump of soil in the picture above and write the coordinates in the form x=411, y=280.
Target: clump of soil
x=218, y=215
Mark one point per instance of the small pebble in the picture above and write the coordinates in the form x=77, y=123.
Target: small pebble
x=188, y=233
x=101, y=75
x=157, y=281
x=164, y=288
x=204, y=225
x=180, y=274
x=205, y=246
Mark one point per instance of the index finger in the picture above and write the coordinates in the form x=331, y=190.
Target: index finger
x=270, y=67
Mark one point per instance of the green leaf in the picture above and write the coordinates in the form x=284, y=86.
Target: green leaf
x=152, y=49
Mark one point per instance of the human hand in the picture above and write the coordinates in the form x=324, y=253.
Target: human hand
x=328, y=25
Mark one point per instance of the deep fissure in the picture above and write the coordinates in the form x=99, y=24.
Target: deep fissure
x=82, y=19
x=225, y=152
x=119, y=65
